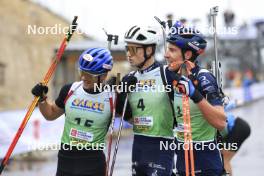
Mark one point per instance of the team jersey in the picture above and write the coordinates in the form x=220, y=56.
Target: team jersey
x=202, y=131
x=87, y=117
x=149, y=103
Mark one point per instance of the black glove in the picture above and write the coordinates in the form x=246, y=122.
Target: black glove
x=186, y=86
x=40, y=90
x=111, y=81
x=129, y=83
x=194, y=80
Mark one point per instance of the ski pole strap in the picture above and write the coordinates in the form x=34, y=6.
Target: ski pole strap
x=162, y=73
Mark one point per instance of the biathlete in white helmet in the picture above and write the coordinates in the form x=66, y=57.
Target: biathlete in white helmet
x=148, y=106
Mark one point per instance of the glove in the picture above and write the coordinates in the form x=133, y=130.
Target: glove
x=129, y=83
x=193, y=79
x=40, y=90
x=231, y=105
x=111, y=81
x=185, y=86
x=230, y=121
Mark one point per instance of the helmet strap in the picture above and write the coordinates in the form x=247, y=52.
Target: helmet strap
x=146, y=57
x=98, y=80
x=183, y=54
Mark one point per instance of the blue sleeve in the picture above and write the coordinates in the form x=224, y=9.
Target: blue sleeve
x=208, y=87
x=230, y=121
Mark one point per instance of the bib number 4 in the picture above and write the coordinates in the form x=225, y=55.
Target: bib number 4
x=140, y=104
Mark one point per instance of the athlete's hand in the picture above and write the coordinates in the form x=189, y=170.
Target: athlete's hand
x=176, y=66
x=40, y=90
x=185, y=86
x=111, y=81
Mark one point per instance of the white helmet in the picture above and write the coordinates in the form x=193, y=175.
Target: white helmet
x=142, y=36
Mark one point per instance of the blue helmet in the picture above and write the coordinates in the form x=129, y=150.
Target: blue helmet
x=96, y=61
x=187, y=38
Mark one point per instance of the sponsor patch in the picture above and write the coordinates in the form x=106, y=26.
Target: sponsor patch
x=88, y=57
x=82, y=135
x=106, y=66
x=88, y=104
x=143, y=121
x=179, y=131
x=148, y=82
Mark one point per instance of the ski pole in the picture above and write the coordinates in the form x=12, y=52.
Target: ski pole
x=213, y=14
x=118, y=136
x=186, y=154
x=187, y=136
x=45, y=81
x=187, y=129
x=110, y=138
x=163, y=27
x=121, y=127
x=110, y=38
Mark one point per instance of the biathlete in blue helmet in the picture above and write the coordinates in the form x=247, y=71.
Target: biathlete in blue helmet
x=87, y=116
x=206, y=107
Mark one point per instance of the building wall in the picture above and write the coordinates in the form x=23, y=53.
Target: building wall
x=24, y=58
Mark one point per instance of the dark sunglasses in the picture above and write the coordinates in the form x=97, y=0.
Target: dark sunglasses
x=132, y=49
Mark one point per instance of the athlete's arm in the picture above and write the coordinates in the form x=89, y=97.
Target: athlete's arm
x=211, y=106
x=207, y=97
x=213, y=114
x=127, y=81
x=121, y=96
x=50, y=110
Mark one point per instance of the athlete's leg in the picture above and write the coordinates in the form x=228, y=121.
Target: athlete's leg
x=238, y=134
x=228, y=155
x=148, y=159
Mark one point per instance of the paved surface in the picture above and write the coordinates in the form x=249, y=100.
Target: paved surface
x=248, y=161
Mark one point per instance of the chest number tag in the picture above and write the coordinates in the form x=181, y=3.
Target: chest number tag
x=87, y=123
x=140, y=104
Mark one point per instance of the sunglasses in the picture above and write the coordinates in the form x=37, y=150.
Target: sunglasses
x=132, y=49
x=83, y=73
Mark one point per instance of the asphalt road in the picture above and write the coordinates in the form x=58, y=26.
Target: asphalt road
x=248, y=161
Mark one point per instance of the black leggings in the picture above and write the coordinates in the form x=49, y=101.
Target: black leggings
x=88, y=163
x=239, y=133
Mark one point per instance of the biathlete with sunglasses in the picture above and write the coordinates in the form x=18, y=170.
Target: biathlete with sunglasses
x=87, y=116
x=206, y=106
x=148, y=106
